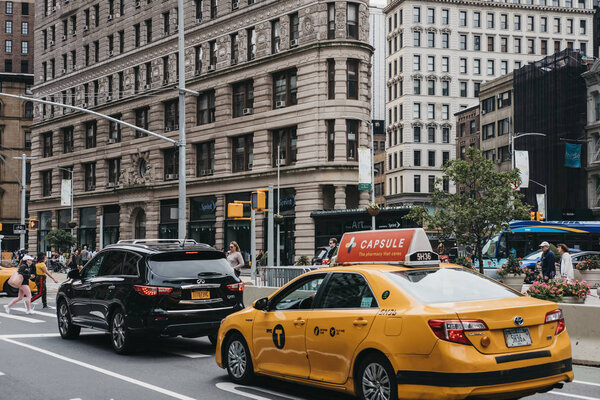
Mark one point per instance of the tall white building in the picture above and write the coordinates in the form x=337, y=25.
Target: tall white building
x=438, y=54
x=377, y=40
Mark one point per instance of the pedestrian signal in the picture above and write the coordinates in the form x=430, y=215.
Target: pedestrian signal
x=32, y=224
x=0, y=227
x=235, y=210
x=259, y=200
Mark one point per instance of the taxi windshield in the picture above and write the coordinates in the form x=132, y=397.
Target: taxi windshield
x=448, y=285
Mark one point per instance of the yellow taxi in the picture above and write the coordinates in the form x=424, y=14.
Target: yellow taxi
x=392, y=322
x=5, y=274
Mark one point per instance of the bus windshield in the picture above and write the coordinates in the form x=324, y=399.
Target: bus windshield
x=489, y=250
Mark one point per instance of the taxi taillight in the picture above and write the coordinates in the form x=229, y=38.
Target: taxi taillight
x=556, y=316
x=152, y=290
x=236, y=287
x=453, y=330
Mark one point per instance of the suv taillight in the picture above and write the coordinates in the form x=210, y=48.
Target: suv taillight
x=152, y=290
x=453, y=330
x=236, y=287
x=556, y=316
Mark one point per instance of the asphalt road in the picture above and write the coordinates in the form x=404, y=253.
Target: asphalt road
x=36, y=363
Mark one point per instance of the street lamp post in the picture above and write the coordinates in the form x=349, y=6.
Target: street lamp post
x=70, y=171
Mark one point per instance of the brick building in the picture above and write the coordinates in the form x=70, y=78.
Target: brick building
x=293, y=75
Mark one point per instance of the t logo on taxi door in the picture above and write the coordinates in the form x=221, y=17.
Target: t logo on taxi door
x=279, y=336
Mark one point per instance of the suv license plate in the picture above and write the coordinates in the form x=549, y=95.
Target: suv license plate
x=200, y=294
x=516, y=337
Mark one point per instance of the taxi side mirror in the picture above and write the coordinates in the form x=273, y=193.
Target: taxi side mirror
x=73, y=274
x=261, y=304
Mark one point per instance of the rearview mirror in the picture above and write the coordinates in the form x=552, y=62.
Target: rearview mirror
x=261, y=304
x=73, y=274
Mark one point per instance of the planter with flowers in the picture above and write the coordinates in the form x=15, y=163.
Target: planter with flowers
x=302, y=261
x=572, y=291
x=373, y=209
x=511, y=273
x=590, y=270
x=545, y=291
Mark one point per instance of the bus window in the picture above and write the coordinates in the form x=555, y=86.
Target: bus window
x=489, y=250
x=502, y=252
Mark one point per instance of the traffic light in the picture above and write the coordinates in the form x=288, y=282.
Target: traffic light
x=0, y=227
x=32, y=224
x=532, y=216
x=235, y=210
x=539, y=216
x=259, y=201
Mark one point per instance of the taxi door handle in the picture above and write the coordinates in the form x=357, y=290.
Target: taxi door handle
x=111, y=287
x=299, y=322
x=360, y=322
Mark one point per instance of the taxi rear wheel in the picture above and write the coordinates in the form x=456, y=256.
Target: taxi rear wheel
x=239, y=361
x=376, y=379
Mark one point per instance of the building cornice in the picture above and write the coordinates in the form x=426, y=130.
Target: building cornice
x=493, y=4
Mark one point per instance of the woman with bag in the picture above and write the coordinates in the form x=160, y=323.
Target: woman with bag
x=26, y=270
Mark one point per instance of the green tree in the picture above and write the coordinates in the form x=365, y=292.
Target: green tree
x=60, y=239
x=483, y=205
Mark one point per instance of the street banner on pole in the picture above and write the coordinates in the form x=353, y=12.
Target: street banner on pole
x=364, y=168
x=522, y=163
x=541, y=201
x=65, y=192
x=572, y=155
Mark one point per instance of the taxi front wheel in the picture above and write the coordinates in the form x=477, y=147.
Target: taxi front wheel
x=376, y=379
x=239, y=361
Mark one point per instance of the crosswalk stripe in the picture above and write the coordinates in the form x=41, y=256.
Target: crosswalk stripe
x=37, y=312
x=188, y=354
x=20, y=318
x=573, y=396
x=1, y=373
x=587, y=383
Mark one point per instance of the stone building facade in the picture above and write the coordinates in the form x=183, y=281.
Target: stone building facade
x=592, y=133
x=270, y=74
x=467, y=130
x=440, y=52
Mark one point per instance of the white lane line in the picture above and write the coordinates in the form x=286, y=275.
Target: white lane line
x=20, y=318
x=234, y=388
x=574, y=396
x=103, y=371
x=587, y=383
x=1, y=373
x=47, y=314
x=45, y=335
x=188, y=354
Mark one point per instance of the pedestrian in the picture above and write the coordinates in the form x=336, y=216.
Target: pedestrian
x=547, y=261
x=26, y=269
x=235, y=258
x=332, y=248
x=41, y=270
x=74, y=260
x=566, y=262
x=85, y=255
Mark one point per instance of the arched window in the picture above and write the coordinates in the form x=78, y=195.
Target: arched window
x=29, y=110
x=140, y=225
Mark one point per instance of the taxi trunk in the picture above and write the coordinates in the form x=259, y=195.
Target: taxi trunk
x=511, y=325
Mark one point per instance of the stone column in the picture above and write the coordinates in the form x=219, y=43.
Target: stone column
x=364, y=198
x=220, y=222
x=152, y=219
x=340, y=197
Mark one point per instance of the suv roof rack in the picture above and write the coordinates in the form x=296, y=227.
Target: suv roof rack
x=181, y=242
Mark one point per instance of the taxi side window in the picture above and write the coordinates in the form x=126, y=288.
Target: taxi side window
x=347, y=290
x=300, y=296
x=93, y=267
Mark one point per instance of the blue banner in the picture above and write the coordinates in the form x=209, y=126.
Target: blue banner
x=572, y=155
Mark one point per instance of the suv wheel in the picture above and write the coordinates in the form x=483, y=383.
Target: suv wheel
x=65, y=325
x=120, y=336
x=239, y=362
x=376, y=379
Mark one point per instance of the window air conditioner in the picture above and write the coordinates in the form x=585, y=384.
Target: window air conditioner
x=167, y=129
x=247, y=111
x=86, y=28
x=279, y=104
x=117, y=15
x=175, y=127
x=233, y=61
x=171, y=176
x=165, y=33
x=147, y=86
x=63, y=71
x=483, y=111
x=211, y=68
x=210, y=172
x=52, y=43
x=198, y=20
x=111, y=53
x=84, y=105
x=165, y=82
x=197, y=72
x=294, y=43
x=111, y=185
x=53, y=9
x=110, y=17
x=108, y=98
x=111, y=141
x=235, y=5
x=66, y=1
x=64, y=37
x=138, y=4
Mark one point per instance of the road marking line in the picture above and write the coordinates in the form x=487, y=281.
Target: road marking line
x=1, y=373
x=575, y=396
x=188, y=354
x=233, y=388
x=37, y=312
x=587, y=383
x=20, y=318
x=44, y=335
x=103, y=371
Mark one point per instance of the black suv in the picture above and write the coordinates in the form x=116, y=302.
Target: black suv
x=150, y=287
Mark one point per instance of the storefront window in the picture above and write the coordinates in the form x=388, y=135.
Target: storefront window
x=64, y=216
x=45, y=227
x=110, y=229
x=87, y=227
x=168, y=219
x=202, y=219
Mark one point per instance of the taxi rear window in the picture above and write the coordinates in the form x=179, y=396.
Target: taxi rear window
x=448, y=285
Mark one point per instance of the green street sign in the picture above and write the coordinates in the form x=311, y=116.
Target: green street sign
x=364, y=186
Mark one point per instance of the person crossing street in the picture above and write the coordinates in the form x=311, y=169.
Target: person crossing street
x=41, y=270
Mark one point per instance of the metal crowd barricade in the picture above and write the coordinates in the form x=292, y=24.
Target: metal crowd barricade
x=279, y=276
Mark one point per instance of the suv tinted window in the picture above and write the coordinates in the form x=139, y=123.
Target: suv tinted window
x=93, y=267
x=130, y=266
x=113, y=261
x=345, y=290
x=183, y=264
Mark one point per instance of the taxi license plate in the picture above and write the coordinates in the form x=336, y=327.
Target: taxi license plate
x=516, y=337
x=200, y=294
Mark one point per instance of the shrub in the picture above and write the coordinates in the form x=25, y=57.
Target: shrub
x=590, y=262
x=465, y=262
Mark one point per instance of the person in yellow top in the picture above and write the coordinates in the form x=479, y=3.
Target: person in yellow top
x=40, y=279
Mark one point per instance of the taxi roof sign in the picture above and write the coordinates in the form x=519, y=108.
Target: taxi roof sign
x=409, y=247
